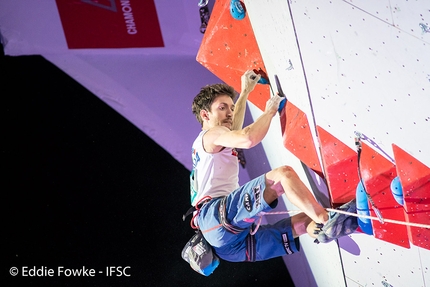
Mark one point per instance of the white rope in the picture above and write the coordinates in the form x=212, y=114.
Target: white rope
x=252, y=232
x=376, y=218
x=340, y=211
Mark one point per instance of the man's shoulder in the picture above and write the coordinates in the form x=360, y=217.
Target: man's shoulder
x=213, y=133
x=217, y=130
x=210, y=137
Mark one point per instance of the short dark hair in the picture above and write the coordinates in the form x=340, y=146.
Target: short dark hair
x=207, y=96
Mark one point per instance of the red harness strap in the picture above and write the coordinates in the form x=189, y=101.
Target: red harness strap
x=197, y=208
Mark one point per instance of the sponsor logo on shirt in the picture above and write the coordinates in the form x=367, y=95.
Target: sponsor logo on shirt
x=196, y=158
x=257, y=196
x=247, y=202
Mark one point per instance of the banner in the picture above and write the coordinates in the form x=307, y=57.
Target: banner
x=110, y=23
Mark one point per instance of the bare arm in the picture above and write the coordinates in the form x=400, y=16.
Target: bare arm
x=249, y=80
x=218, y=137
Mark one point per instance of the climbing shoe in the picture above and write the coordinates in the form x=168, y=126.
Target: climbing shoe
x=338, y=224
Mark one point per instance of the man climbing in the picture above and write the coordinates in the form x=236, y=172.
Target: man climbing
x=227, y=212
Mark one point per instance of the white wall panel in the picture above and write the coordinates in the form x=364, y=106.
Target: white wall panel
x=366, y=75
x=379, y=9
x=376, y=262
x=411, y=17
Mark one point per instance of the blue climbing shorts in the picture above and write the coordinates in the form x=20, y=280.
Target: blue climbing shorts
x=242, y=208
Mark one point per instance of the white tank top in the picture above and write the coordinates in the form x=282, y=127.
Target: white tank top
x=213, y=174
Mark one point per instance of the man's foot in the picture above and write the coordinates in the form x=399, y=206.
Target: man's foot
x=338, y=224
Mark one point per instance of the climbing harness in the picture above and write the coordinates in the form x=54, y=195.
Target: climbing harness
x=196, y=209
x=223, y=219
x=222, y=216
x=251, y=247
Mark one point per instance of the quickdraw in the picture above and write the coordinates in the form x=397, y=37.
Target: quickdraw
x=204, y=18
x=359, y=148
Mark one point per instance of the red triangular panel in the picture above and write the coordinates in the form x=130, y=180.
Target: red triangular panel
x=377, y=173
x=340, y=165
x=297, y=137
x=415, y=179
x=229, y=48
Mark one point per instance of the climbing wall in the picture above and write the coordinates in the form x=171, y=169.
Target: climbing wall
x=228, y=49
x=351, y=68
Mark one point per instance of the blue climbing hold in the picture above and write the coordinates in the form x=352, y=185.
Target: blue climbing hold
x=282, y=104
x=237, y=10
x=263, y=81
x=281, y=94
x=363, y=209
x=397, y=190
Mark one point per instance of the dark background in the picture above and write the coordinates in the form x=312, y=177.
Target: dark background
x=85, y=187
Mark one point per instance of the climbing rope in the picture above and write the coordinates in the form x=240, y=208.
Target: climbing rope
x=340, y=211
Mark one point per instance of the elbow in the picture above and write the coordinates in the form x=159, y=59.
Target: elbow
x=251, y=142
x=247, y=144
x=254, y=141
x=249, y=139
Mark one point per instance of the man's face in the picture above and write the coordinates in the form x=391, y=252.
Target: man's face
x=221, y=113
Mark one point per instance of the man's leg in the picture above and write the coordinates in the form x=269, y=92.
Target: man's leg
x=285, y=180
x=302, y=224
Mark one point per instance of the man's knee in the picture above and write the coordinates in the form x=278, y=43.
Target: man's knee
x=275, y=180
x=286, y=171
